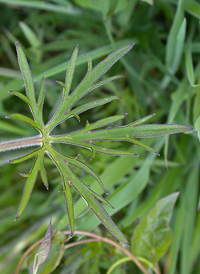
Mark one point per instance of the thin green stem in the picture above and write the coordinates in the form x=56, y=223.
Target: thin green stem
x=19, y=143
x=126, y=259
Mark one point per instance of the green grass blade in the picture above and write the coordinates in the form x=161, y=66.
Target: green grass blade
x=196, y=109
x=70, y=10
x=30, y=35
x=178, y=232
x=195, y=251
x=192, y=6
x=179, y=46
x=190, y=202
x=189, y=64
x=171, y=42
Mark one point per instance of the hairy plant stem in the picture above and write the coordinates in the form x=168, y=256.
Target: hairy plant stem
x=95, y=238
x=19, y=143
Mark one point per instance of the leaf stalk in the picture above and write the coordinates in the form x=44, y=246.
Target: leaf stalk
x=20, y=143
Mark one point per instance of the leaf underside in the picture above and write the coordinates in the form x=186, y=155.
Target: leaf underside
x=86, y=137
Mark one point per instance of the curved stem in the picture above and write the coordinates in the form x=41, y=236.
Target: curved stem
x=126, y=259
x=81, y=243
x=96, y=238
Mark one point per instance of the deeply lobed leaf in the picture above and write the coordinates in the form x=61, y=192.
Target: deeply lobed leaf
x=86, y=137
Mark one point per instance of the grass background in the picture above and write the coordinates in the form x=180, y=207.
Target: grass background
x=161, y=76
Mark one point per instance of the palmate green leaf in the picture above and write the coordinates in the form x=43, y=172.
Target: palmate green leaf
x=122, y=133
x=90, y=197
x=59, y=158
x=86, y=84
x=96, y=207
x=85, y=137
x=75, y=162
x=85, y=107
x=57, y=117
x=43, y=250
x=153, y=236
x=53, y=154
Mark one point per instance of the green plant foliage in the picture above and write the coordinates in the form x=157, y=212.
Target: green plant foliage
x=153, y=236
x=161, y=76
x=43, y=251
x=55, y=253
x=86, y=137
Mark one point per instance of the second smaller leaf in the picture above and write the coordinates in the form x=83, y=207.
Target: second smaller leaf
x=153, y=235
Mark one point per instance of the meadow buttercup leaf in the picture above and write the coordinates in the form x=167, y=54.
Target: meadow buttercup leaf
x=87, y=137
